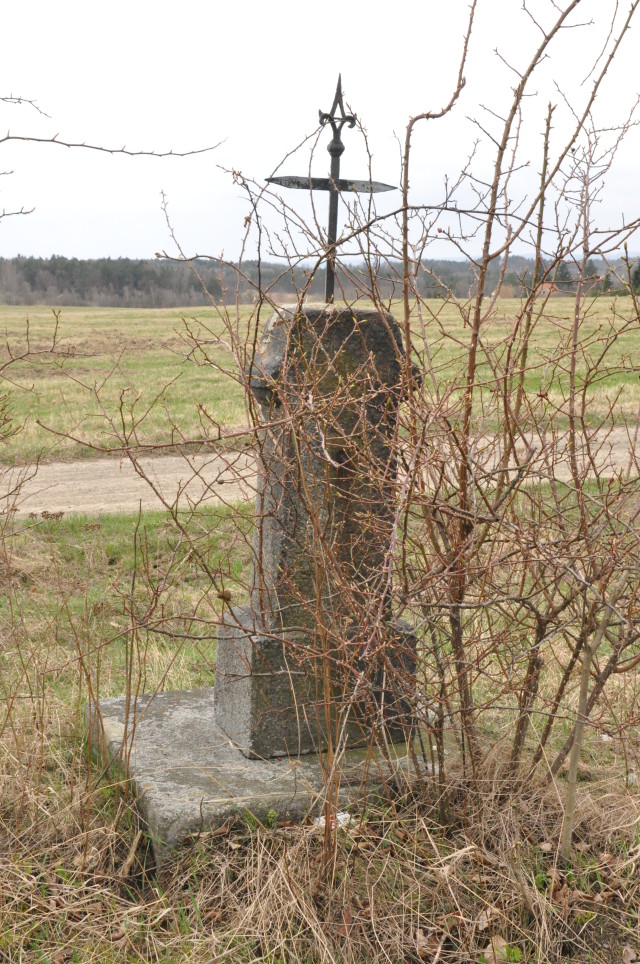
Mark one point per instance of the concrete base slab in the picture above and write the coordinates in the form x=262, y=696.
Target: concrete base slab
x=189, y=777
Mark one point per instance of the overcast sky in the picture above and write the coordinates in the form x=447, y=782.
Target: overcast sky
x=252, y=75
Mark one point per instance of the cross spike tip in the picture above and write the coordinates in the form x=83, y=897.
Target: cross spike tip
x=337, y=100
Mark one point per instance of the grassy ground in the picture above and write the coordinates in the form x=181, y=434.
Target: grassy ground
x=438, y=874
x=111, y=365
x=107, y=362
x=401, y=891
x=76, y=878
x=67, y=596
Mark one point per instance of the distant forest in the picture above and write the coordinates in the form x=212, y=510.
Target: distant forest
x=118, y=282
x=124, y=282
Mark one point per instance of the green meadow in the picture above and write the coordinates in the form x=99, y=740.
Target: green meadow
x=111, y=371
x=159, y=377
x=66, y=588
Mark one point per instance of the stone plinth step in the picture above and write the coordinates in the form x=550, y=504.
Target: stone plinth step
x=189, y=777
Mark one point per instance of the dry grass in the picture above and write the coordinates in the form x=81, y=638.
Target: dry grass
x=77, y=883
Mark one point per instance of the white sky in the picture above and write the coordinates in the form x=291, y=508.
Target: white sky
x=159, y=75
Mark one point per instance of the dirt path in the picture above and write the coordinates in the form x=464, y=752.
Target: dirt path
x=112, y=484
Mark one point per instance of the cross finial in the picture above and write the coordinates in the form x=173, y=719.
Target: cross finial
x=336, y=147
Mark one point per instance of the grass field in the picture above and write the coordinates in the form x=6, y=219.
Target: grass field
x=70, y=581
x=117, y=367
x=107, y=362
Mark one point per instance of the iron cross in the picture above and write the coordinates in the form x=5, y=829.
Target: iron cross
x=334, y=184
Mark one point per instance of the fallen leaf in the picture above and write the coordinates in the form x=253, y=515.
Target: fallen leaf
x=428, y=946
x=62, y=954
x=583, y=773
x=94, y=908
x=485, y=917
x=564, y=896
x=347, y=921
x=604, y=897
x=85, y=861
x=629, y=955
x=85, y=910
x=497, y=951
x=546, y=847
x=581, y=908
x=616, y=883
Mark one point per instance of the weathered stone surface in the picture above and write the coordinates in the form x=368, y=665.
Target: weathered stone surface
x=189, y=777
x=270, y=702
x=316, y=650
x=268, y=699
x=329, y=380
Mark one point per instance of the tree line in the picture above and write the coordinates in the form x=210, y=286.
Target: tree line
x=119, y=282
x=152, y=283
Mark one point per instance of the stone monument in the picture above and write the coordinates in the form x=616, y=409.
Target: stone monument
x=316, y=650
x=315, y=658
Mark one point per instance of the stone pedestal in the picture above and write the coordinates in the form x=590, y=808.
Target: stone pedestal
x=189, y=778
x=316, y=652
